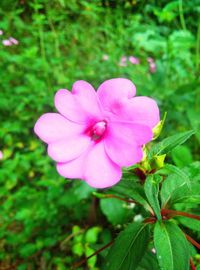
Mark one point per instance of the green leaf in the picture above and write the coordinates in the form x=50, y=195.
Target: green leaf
x=151, y=188
x=92, y=234
x=173, y=182
x=128, y=248
x=114, y=210
x=190, y=223
x=172, y=248
x=181, y=156
x=166, y=145
x=131, y=188
x=149, y=262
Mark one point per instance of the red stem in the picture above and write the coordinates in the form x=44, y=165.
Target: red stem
x=150, y=220
x=93, y=254
x=192, y=241
x=178, y=213
x=192, y=266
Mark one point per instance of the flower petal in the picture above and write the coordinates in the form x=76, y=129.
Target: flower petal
x=111, y=92
x=100, y=170
x=123, y=142
x=73, y=168
x=81, y=105
x=66, y=150
x=142, y=110
x=51, y=127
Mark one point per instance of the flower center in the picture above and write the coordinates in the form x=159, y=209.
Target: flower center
x=98, y=130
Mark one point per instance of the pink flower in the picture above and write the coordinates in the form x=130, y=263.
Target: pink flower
x=95, y=134
x=152, y=65
x=1, y=32
x=6, y=42
x=9, y=42
x=105, y=57
x=1, y=155
x=14, y=41
x=150, y=60
x=134, y=60
x=123, y=61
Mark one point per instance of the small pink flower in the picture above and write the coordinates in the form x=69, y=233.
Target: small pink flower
x=1, y=155
x=95, y=134
x=152, y=67
x=123, y=61
x=7, y=42
x=14, y=41
x=150, y=60
x=1, y=32
x=105, y=57
x=134, y=60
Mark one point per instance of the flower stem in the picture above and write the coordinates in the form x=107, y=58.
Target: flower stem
x=172, y=213
x=93, y=254
x=192, y=241
x=192, y=266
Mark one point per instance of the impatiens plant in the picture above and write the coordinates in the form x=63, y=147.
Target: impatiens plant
x=97, y=135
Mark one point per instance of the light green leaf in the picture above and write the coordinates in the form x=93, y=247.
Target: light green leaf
x=190, y=223
x=128, y=248
x=151, y=188
x=182, y=156
x=171, y=246
x=92, y=234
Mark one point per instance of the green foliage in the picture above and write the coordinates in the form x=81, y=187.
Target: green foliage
x=47, y=222
x=134, y=242
x=172, y=249
x=151, y=188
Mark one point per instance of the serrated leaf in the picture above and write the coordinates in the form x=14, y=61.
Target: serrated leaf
x=151, y=188
x=166, y=145
x=128, y=248
x=172, y=248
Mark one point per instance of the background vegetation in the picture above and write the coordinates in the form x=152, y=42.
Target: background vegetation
x=47, y=222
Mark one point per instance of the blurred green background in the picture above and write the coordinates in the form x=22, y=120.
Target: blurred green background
x=47, y=222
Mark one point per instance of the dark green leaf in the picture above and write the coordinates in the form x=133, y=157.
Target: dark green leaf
x=115, y=210
x=151, y=188
x=149, y=262
x=131, y=188
x=128, y=248
x=172, y=248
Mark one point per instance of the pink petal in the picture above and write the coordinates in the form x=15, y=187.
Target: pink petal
x=112, y=91
x=123, y=142
x=73, y=168
x=81, y=105
x=51, y=127
x=66, y=150
x=100, y=170
x=142, y=110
